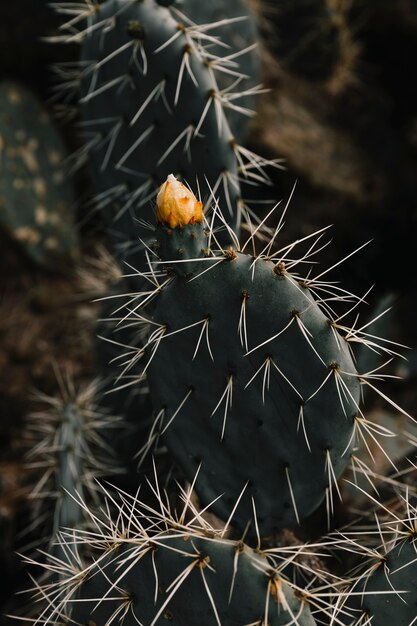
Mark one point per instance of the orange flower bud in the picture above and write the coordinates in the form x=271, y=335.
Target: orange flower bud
x=176, y=205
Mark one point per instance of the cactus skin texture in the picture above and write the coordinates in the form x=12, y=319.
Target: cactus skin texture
x=239, y=35
x=151, y=106
x=249, y=379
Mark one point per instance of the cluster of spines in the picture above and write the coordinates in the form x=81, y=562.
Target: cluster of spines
x=380, y=587
x=68, y=565
x=104, y=569
x=136, y=314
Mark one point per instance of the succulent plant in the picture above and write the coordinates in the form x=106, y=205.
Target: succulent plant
x=68, y=447
x=235, y=356
x=250, y=372
x=382, y=587
x=153, y=565
x=36, y=199
x=151, y=104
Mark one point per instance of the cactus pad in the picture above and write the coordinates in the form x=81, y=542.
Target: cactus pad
x=35, y=197
x=249, y=379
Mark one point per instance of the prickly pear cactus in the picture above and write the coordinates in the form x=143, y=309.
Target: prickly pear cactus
x=36, y=199
x=390, y=592
x=151, y=105
x=249, y=377
x=232, y=583
x=158, y=567
x=68, y=441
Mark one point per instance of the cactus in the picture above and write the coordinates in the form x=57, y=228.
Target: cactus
x=177, y=86
x=387, y=593
x=151, y=104
x=35, y=197
x=208, y=315
x=67, y=440
x=214, y=566
x=69, y=449
x=238, y=36
x=235, y=376
x=249, y=362
x=382, y=586
x=154, y=564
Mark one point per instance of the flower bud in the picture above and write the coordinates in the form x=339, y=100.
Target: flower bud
x=176, y=205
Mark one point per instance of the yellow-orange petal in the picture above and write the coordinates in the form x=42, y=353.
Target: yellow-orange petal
x=176, y=205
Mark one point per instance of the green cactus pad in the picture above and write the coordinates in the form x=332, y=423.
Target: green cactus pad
x=267, y=432
x=238, y=31
x=148, y=564
x=36, y=199
x=189, y=580
x=151, y=106
x=249, y=379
